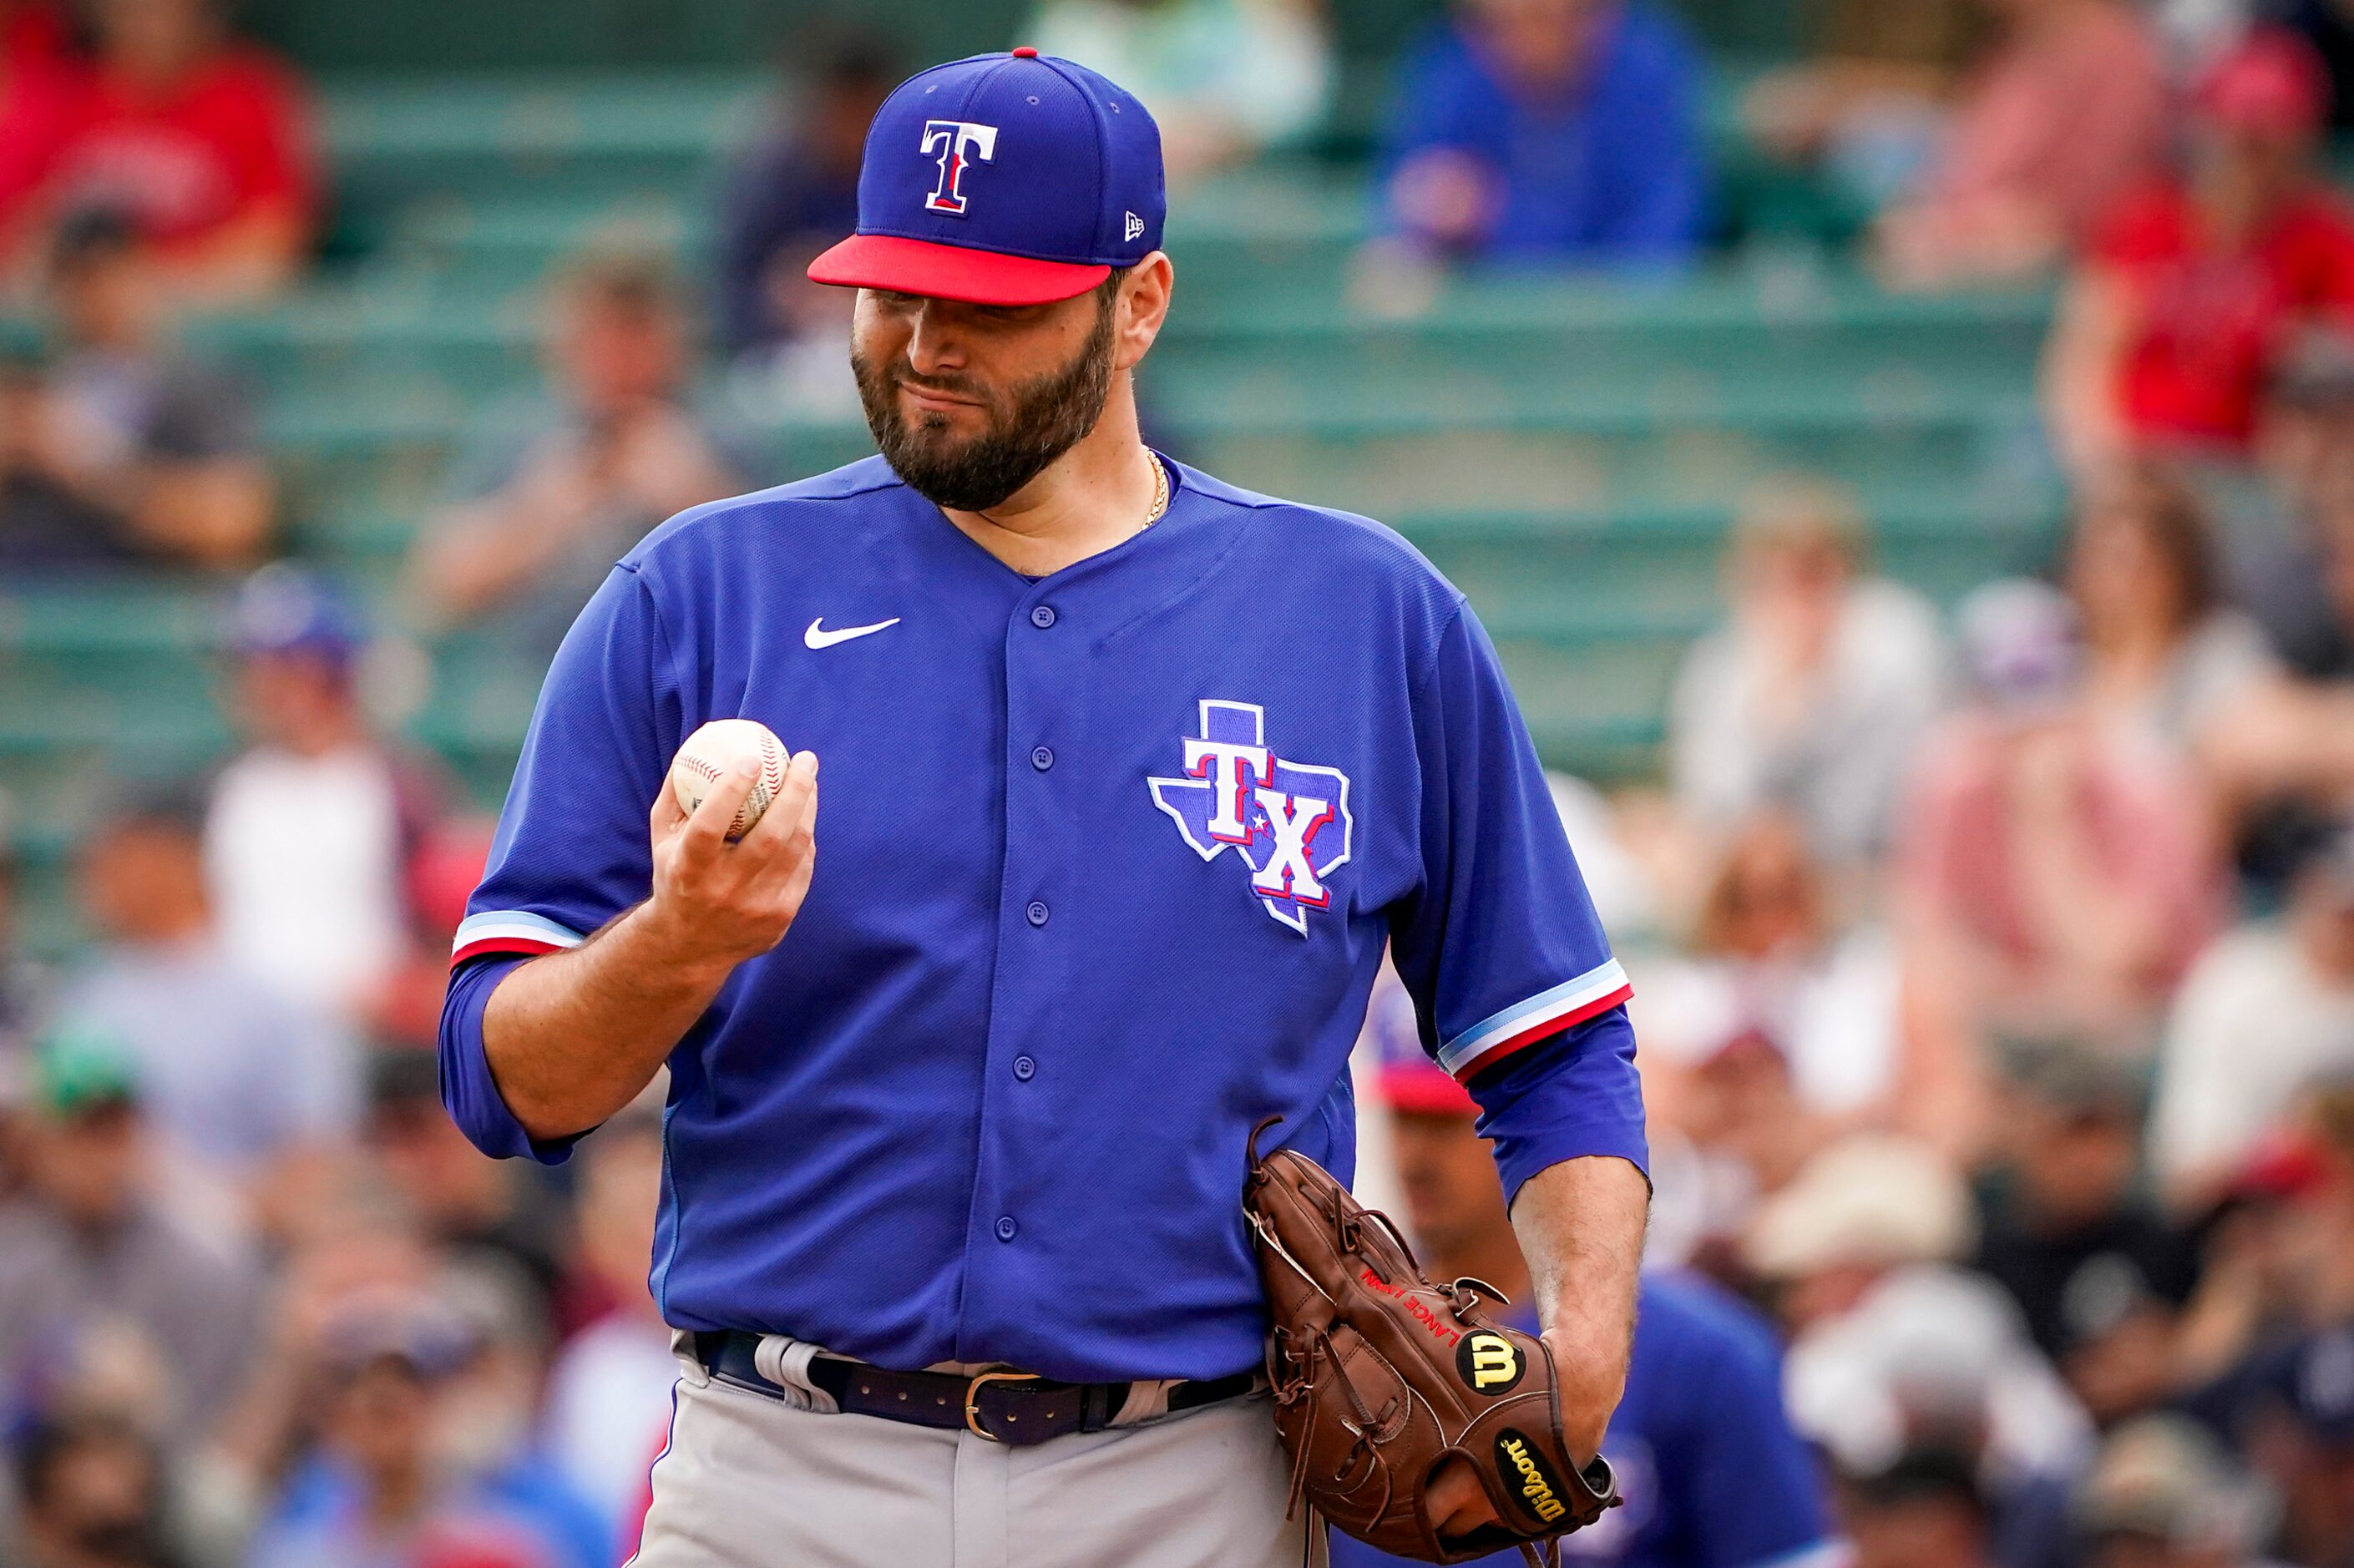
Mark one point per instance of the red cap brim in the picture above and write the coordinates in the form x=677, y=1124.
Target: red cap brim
x=1421, y=1086
x=951, y=273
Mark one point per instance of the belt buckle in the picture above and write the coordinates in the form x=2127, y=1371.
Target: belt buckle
x=973, y=1399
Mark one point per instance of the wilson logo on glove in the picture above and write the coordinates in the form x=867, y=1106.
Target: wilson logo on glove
x=1382, y=1379
x=1539, y=1493
x=1488, y=1363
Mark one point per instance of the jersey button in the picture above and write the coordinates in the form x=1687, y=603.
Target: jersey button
x=1041, y=758
x=1037, y=913
x=1006, y=1228
x=1024, y=1068
x=1042, y=616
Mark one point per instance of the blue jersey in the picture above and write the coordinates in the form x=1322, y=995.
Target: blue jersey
x=1713, y=1474
x=1106, y=864
x=1612, y=170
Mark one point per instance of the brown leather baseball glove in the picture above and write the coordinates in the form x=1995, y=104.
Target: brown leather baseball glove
x=1383, y=1379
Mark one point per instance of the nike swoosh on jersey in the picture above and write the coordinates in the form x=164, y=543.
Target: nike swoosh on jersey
x=817, y=636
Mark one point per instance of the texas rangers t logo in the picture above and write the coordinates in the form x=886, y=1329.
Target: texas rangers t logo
x=955, y=139
x=1288, y=822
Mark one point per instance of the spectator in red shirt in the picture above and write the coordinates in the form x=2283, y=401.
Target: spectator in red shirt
x=36, y=40
x=2192, y=287
x=203, y=139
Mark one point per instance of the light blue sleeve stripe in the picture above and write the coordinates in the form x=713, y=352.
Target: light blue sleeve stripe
x=475, y=926
x=1600, y=980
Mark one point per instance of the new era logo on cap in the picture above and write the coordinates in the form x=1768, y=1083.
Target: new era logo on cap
x=1009, y=179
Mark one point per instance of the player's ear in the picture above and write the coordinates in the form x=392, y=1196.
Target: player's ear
x=1141, y=307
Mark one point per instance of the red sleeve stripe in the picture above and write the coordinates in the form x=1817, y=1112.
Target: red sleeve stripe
x=1548, y=1012
x=510, y=931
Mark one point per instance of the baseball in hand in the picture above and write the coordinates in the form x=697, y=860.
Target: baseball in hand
x=718, y=746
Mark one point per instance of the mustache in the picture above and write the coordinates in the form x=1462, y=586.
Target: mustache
x=904, y=374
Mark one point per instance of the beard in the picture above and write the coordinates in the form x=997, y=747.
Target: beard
x=1029, y=427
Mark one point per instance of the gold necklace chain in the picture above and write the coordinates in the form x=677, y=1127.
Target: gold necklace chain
x=1159, y=489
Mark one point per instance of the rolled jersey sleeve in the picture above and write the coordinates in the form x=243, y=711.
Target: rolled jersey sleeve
x=1514, y=985
x=571, y=851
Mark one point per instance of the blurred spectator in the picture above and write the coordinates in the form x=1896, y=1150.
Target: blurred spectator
x=2099, y=1273
x=1547, y=131
x=203, y=139
x=2306, y=1448
x=2192, y=288
x=2268, y=1010
x=1770, y=959
x=90, y=1494
x=1812, y=697
x=230, y=1071
x=2067, y=113
x=2328, y=26
x=1868, y=103
x=309, y=826
x=2278, y=538
x=791, y=194
x=2057, y=871
x=548, y=504
x=1626, y=893
x=2165, y=654
x=609, y=1394
x=444, y=867
x=1713, y=1474
x=2163, y=1494
x=23, y=984
x=401, y=1476
x=123, y=448
x=37, y=58
x=1894, y=1350
x=1922, y=1509
x=1225, y=79
x=90, y=1255
x=478, y=1210
x=2310, y=597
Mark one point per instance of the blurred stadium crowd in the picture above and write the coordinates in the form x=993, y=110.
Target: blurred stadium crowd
x=1994, y=960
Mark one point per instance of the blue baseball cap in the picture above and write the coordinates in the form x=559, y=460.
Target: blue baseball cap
x=282, y=608
x=1011, y=179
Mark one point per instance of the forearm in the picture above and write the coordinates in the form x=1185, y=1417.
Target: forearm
x=214, y=512
x=1580, y=1225
x=477, y=553
x=573, y=1037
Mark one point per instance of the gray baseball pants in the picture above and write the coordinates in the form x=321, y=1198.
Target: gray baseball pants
x=751, y=1481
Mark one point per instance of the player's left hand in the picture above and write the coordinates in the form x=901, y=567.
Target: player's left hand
x=1592, y=1376
x=1460, y=1505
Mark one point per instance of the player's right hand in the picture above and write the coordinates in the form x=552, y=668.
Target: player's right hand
x=716, y=903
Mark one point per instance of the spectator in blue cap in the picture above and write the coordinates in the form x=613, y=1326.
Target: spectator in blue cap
x=310, y=827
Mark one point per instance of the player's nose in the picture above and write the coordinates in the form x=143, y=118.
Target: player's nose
x=934, y=344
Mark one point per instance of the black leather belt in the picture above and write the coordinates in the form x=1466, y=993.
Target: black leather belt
x=1009, y=1407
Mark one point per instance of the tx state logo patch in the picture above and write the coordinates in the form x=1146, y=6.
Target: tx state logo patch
x=1286, y=821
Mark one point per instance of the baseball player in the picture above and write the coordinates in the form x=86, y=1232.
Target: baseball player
x=1711, y=1472
x=1129, y=776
